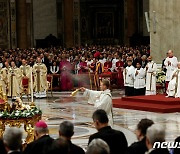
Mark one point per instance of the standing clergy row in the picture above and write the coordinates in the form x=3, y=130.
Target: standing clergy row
x=12, y=79
x=140, y=81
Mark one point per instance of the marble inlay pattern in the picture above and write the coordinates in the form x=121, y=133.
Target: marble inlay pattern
x=63, y=107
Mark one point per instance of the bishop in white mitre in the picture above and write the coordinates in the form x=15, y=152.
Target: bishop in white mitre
x=151, y=69
x=171, y=65
x=101, y=99
x=174, y=85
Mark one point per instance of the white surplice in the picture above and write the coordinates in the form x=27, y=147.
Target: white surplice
x=114, y=61
x=101, y=100
x=139, y=79
x=151, y=78
x=174, y=85
x=128, y=75
x=170, y=68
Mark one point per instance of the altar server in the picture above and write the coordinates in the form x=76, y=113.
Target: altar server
x=170, y=65
x=14, y=80
x=128, y=75
x=139, y=80
x=101, y=99
x=40, y=79
x=151, y=69
x=174, y=85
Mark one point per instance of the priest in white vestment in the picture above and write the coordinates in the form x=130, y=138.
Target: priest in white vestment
x=174, y=85
x=14, y=81
x=171, y=65
x=40, y=79
x=151, y=69
x=101, y=99
x=139, y=80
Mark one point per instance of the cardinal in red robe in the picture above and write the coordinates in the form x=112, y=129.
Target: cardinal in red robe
x=119, y=68
x=66, y=76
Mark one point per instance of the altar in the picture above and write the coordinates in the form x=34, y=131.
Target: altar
x=28, y=124
x=17, y=114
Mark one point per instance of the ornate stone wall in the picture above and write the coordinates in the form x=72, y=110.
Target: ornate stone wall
x=4, y=28
x=164, y=28
x=44, y=18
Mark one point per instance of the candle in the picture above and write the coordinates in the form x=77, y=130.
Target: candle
x=31, y=86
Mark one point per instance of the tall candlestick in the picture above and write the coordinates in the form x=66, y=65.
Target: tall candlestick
x=31, y=87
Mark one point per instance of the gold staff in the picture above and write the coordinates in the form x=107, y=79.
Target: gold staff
x=89, y=71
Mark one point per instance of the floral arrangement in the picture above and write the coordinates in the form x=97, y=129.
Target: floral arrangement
x=16, y=114
x=18, y=110
x=161, y=77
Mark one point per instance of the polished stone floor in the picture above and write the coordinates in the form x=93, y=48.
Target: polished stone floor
x=62, y=107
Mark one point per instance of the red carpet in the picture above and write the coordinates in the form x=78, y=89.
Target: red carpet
x=156, y=103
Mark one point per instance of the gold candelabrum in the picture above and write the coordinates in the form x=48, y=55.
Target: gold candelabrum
x=28, y=123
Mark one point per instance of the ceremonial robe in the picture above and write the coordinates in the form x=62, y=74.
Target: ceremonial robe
x=101, y=100
x=151, y=78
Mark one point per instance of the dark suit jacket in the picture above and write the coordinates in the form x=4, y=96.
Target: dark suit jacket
x=138, y=147
x=2, y=147
x=115, y=139
x=177, y=150
x=40, y=146
x=159, y=151
x=74, y=149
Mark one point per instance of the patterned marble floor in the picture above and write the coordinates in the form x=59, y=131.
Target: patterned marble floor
x=62, y=107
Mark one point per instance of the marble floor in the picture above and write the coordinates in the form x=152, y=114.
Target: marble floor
x=62, y=107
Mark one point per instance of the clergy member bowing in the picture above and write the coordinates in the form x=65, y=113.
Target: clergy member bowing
x=128, y=75
x=174, y=85
x=101, y=99
x=151, y=69
x=170, y=65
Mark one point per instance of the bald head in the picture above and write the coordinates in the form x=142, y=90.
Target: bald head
x=170, y=53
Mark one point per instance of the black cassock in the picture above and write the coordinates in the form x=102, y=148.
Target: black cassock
x=115, y=139
x=40, y=146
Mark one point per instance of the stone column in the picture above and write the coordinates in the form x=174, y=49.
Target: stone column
x=164, y=28
x=21, y=24
x=68, y=23
x=130, y=14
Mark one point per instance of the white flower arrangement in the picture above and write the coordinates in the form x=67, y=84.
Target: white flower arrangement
x=161, y=76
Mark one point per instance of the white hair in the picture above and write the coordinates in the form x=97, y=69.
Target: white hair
x=144, y=56
x=98, y=146
x=13, y=138
x=155, y=133
x=41, y=130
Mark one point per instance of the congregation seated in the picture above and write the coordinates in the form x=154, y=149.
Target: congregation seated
x=105, y=141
